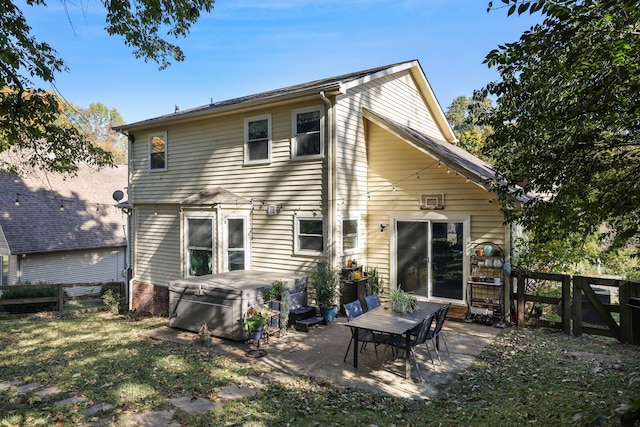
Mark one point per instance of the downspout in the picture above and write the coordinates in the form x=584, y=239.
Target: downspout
x=330, y=183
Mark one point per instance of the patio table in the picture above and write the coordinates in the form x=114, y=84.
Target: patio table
x=384, y=320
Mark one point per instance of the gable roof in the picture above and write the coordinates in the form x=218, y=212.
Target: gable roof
x=451, y=155
x=332, y=85
x=88, y=220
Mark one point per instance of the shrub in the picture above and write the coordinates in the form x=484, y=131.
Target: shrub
x=111, y=299
x=27, y=292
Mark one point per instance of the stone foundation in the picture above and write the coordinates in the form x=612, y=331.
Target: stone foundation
x=148, y=298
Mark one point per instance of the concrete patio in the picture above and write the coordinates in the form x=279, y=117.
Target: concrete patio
x=319, y=354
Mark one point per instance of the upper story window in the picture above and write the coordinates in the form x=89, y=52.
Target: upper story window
x=349, y=235
x=158, y=151
x=257, y=139
x=309, y=236
x=308, y=132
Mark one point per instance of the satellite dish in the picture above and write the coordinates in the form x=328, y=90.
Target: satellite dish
x=118, y=195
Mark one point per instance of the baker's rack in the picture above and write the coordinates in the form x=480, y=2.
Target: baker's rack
x=485, y=287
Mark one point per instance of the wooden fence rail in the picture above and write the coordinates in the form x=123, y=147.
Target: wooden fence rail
x=61, y=295
x=579, y=296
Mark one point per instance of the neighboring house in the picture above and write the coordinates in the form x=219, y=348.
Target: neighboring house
x=59, y=230
x=361, y=166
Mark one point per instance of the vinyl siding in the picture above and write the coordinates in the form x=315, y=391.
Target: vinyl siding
x=394, y=161
x=211, y=153
x=83, y=266
x=396, y=97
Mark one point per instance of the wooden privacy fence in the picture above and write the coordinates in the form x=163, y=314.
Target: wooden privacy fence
x=577, y=304
x=64, y=292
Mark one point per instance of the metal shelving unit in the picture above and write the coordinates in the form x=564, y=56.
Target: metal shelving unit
x=485, y=287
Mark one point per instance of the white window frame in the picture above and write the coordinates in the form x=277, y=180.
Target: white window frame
x=294, y=125
x=297, y=235
x=356, y=249
x=247, y=256
x=187, y=257
x=247, y=161
x=150, y=151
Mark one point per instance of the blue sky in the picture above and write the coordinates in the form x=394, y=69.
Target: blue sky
x=249, y=46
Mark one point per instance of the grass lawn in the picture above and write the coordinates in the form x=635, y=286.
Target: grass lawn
x=527, y=377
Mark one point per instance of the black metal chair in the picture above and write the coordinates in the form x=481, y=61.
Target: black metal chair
x=398, y=342
x=437, y=333
x=352, y=310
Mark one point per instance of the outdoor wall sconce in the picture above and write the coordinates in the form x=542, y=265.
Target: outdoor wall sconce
x=382, y=227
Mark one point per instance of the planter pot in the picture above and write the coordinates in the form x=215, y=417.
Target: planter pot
x=256, y=334
x=329, y=313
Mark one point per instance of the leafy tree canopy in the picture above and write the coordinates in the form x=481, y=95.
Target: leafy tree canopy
x=464, y=117
x=29, y=117
x=567, y=120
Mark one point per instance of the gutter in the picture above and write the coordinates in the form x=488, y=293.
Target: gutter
x=330, y=182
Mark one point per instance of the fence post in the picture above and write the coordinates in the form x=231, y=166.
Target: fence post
x=576, y=312
x=520, y=298
x=60, y=297
x=566, y=304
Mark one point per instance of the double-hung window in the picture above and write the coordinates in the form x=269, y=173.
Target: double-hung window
x=199, y=246
x=309, y=236
x=236, y=247
x=257, y=139
x=349, y=235
x=158, y=151
x=308, y=132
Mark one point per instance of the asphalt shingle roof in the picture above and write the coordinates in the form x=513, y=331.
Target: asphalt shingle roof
x=89, y=219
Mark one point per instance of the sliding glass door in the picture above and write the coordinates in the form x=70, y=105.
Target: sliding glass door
x=429, y=258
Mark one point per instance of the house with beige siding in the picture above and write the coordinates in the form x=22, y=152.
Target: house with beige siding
x=360, y=166
x=63, y=229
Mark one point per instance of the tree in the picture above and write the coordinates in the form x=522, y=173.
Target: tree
x=464, y=117
x=96, y=122
x=29, y=117
x=567, y=118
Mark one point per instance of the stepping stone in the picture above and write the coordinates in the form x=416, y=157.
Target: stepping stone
x=97, y=408
x=47, y=392
x=23, y=389
x=197, y=406
x=236, y=392
x=72, y=400
x=148, y=419
x=6, y=385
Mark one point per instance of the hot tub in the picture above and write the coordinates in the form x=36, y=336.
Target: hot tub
x=222, y=299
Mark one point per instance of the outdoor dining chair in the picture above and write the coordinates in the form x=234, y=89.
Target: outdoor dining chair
x=372, y=301
x=352, y=310
x=398, y=343
x=435, y=334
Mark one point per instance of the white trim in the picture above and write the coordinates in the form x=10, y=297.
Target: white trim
x=225, y=238
x=294, y=125
x=246, y=139
x=358, y=220
x=296, y=235
x=150, y=151
x=186, y=259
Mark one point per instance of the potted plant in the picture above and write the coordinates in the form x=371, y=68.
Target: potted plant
x=278, y=299
x=402, y=302
x=275, y=291
x=256, y=321
x=325, y=282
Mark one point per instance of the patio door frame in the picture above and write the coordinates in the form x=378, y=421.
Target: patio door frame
x=432, y=218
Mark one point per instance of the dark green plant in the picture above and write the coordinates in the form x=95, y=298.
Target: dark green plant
x=325, y=282
x=275, y=291
x=376, y=281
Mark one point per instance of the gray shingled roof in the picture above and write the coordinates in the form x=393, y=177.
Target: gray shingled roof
x=327, y=84
x=89, y=219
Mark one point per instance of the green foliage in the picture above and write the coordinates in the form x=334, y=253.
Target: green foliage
x=377, y=283
x=402, y=301
x=275, y=291
x=565, y=125
x=325, y=282
x=464, y=117
x=30, y=125
x=112, y=300
x=28, y=292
